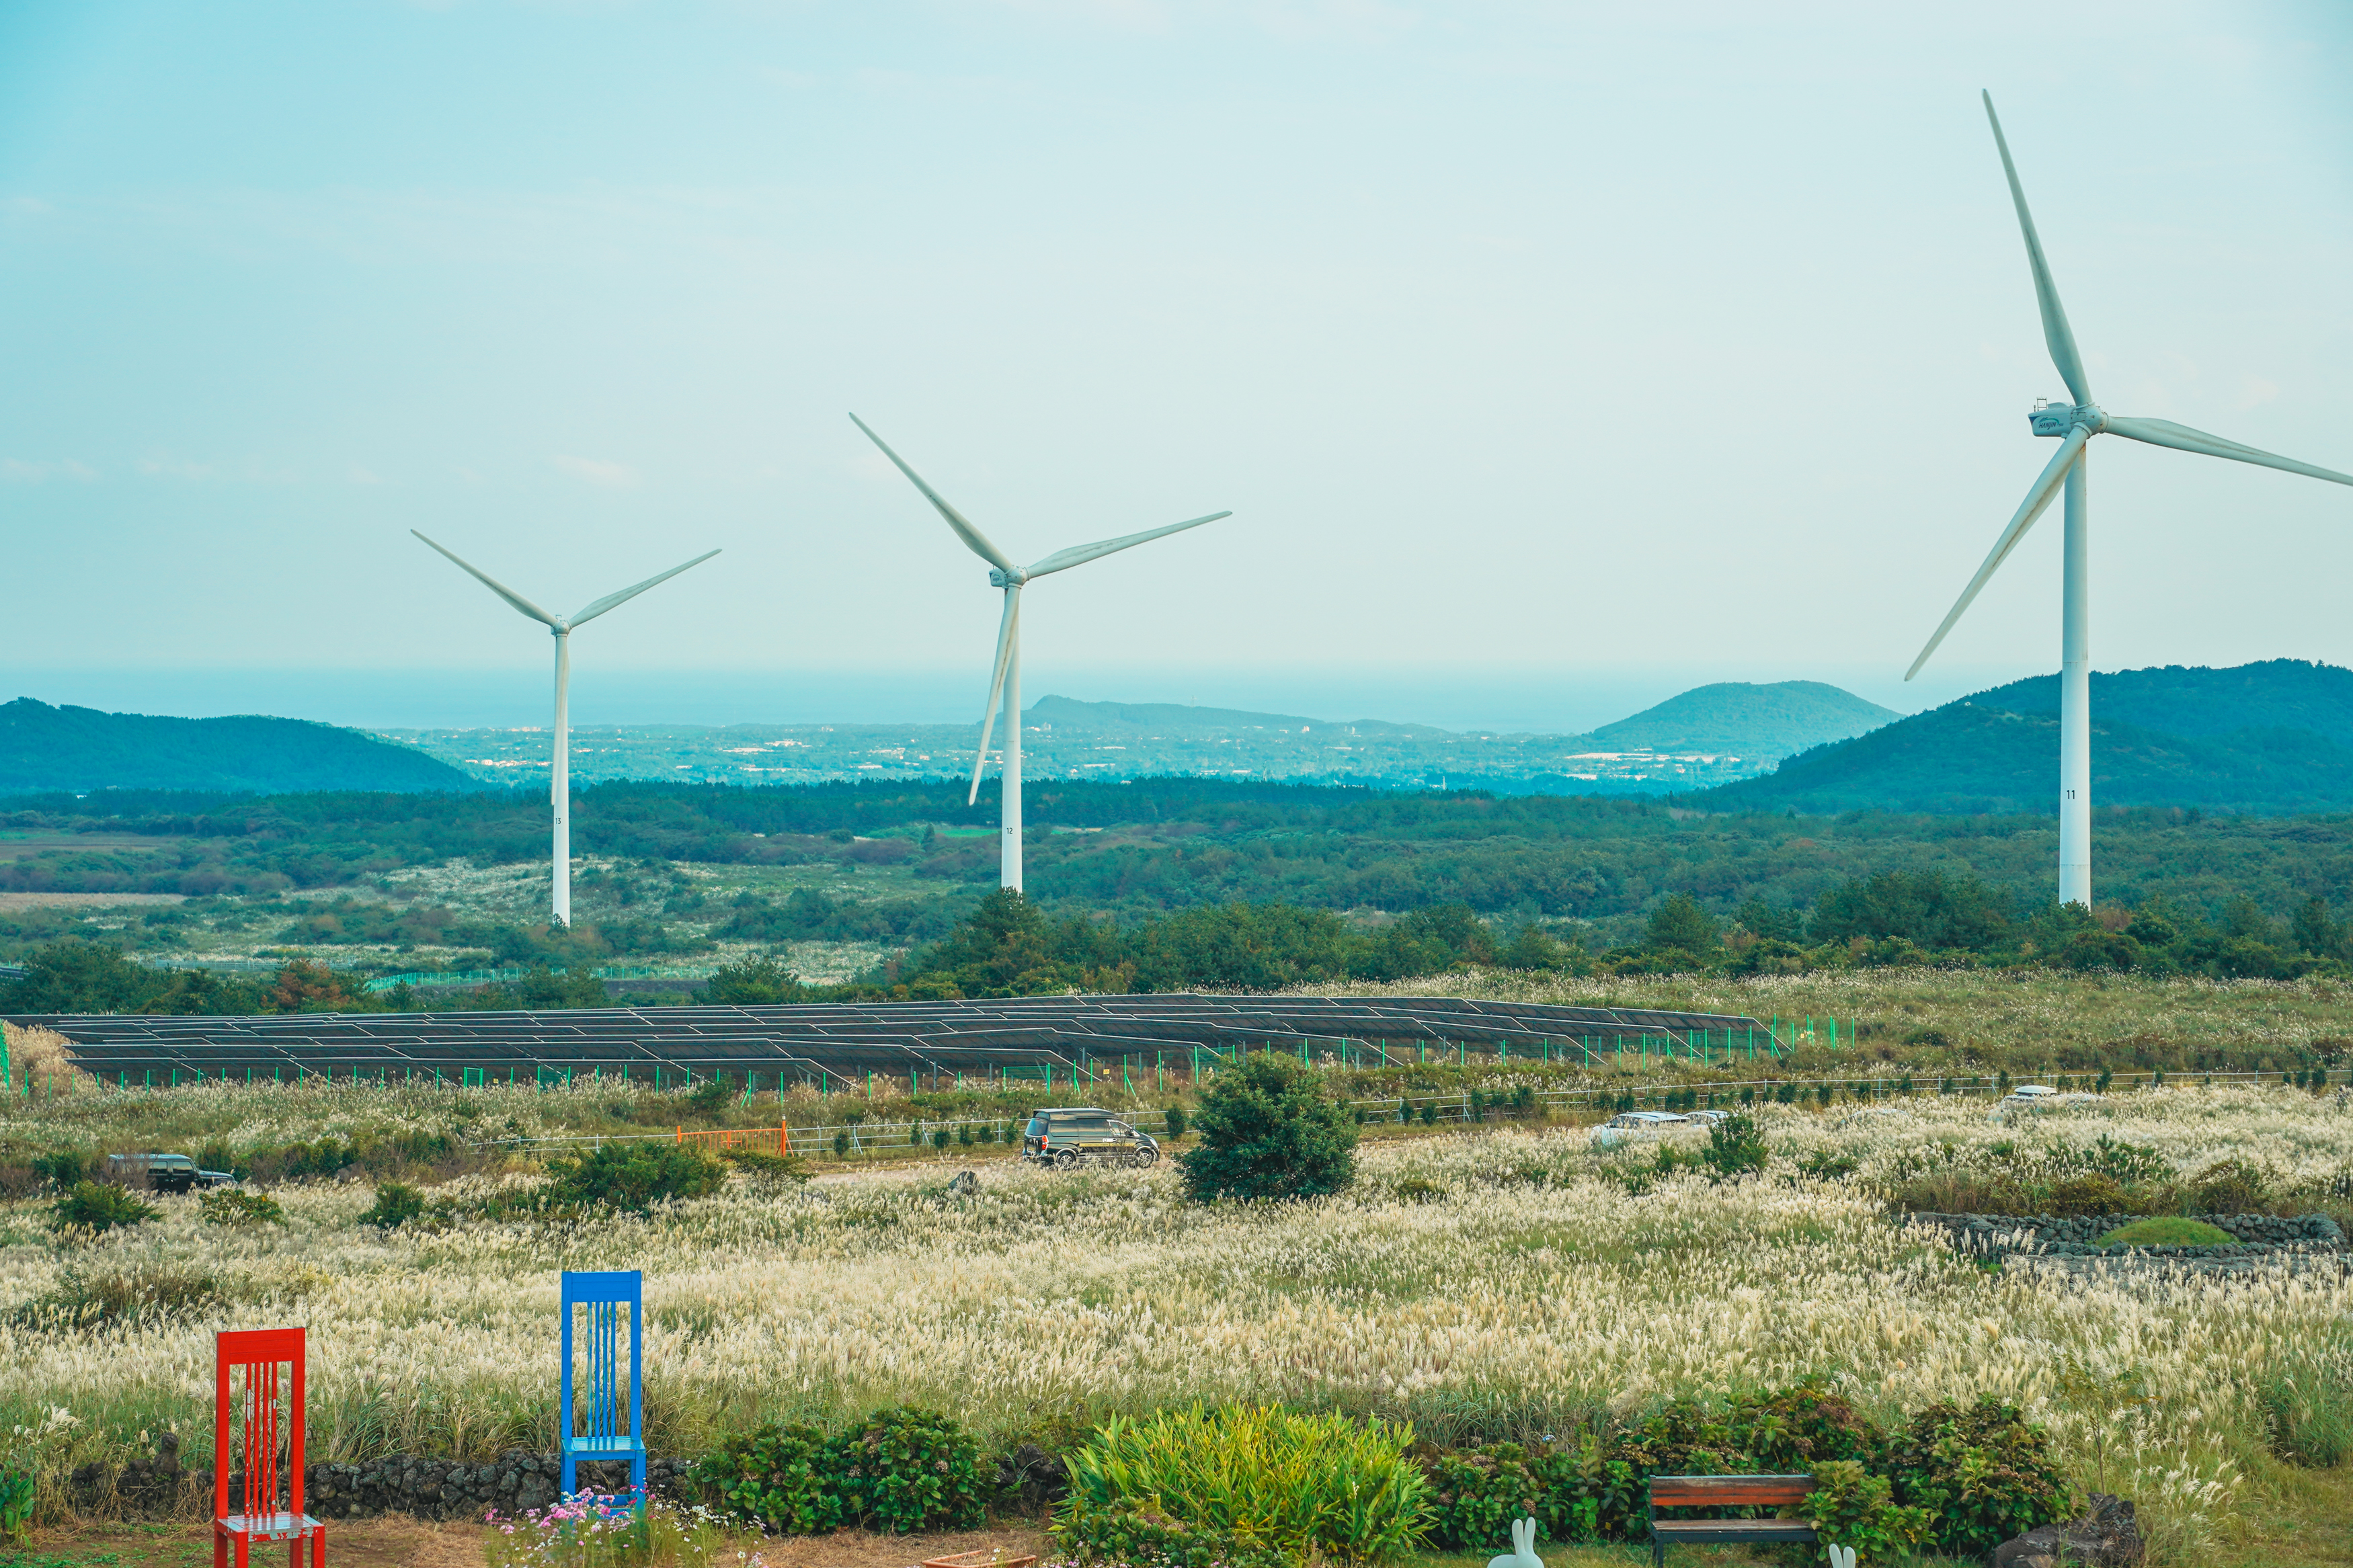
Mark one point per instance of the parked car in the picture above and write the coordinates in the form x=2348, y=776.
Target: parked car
x=164, y=1173
x=1066, y=1136
x=1708, y=1118
x=1646, y=1120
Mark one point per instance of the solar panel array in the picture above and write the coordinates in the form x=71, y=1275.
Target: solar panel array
x=826, y=1040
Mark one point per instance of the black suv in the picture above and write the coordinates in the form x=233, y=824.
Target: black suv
x=1063, y=1137
x=165, y=1173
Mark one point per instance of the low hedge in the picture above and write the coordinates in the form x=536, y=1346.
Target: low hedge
x=903, y=1469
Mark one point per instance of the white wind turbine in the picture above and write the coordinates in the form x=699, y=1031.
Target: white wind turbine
x=1006, y=683
x=2075, y=425
x=560, y=784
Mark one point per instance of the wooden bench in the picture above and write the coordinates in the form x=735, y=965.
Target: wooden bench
x=1724, y=1492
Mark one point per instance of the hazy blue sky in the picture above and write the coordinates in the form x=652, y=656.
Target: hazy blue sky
x=1560, y=350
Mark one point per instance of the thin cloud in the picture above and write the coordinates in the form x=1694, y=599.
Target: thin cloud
x=16, y=471
x=603, y=475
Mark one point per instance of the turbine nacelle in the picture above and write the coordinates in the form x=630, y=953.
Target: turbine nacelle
x=998, y=578
x=2055, y=420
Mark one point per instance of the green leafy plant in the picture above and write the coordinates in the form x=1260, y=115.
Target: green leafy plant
x=912, y=1469
x=1177, y=1123
x=226, y=1206
x=1982, y=1471
x=98, y=1208
x=783, y=1477
x=17, y=1494
x=396, y=1203
x=1850, y=1506
x=1255, y=1481
x=1268, y=1132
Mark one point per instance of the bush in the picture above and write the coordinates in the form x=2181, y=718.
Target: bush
x=774, y=1169
x=226, y=1206
x=2089, y=1193
x=1850, y=1506
x=783, y=1477
x=1984, y=1473
x=148, y=1290
x=396, y=1203
x=633, y=1177
x=1734, y=1147
x=98, y=1208
x=1175, y=1115
x=1256, y=1481
x=1266, y=1133
x=67, y=1168
x=2230, y=1186
x=913, y=1469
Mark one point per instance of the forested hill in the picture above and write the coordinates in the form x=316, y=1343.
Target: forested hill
x=2271, y=737
x=78, y=749
x=1775, y=721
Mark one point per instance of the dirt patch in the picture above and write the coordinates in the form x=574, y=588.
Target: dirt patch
x=369, y=1543
x=395, y=1542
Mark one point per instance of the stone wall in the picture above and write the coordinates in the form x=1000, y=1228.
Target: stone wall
x=515, y=1482
x=2307, y=1241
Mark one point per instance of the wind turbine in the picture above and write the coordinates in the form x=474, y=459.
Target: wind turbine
x=560, y=783
x=1005, y=681
x=2075, y=424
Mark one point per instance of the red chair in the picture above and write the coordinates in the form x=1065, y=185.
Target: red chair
x=264, y=1441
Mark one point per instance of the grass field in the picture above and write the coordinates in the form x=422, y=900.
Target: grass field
x=1481, y=1283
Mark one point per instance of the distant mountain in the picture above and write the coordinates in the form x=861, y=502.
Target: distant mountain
x=1777, y=720
x=1176, y=718
x=80, y=748
x=2159, y=737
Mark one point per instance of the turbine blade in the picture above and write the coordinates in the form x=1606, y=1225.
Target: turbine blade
x=972, y=536
x=2045, y=487
x=2181, y=438
x=1080, y=554
x=2056, y=333
x=1008, y=628
x=626, y=595
x=495, y=586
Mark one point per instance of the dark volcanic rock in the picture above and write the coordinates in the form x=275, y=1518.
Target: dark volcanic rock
x=2106, y=1537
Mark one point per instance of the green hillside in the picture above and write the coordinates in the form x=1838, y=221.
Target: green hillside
x=78, y=749
x=2159, y=737
x=2274, y=694
x=1775, y=721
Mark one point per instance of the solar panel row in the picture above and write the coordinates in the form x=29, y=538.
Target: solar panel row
x=821, y=1041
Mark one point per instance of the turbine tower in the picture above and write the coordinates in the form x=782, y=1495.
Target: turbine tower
x=560, y=782
x=2075, y=424
x=1005, y=680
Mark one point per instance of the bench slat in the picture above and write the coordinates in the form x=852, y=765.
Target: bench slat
x=1700, y=1531
x=1727, y=1491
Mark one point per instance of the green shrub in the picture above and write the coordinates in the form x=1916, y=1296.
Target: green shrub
x=16, y=1495
x=1850, y=1506
x=226, y=1206
x=1267, y=1132
x=2230, y=1186
x=1253, y=1480
x=634, y=1176
x=769, y=1168
x=2090, y=1193
x=1175, y=1115
x=68, y=1168
x=785, y=1477
x=396, y=1203
x=98, y=1207
x=1984, y=1473
x=1139, y=1534
x=1735, y=1148
x=147, y=1291
x=2167, y=1230
x=913, y=1469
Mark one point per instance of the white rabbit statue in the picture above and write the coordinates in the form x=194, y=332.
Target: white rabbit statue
x=1840, y=1557
x=1524, y=1547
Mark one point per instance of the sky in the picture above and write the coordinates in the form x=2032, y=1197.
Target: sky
x=1551, y=357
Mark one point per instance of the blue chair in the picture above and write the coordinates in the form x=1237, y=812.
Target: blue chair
x=603, y=1296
